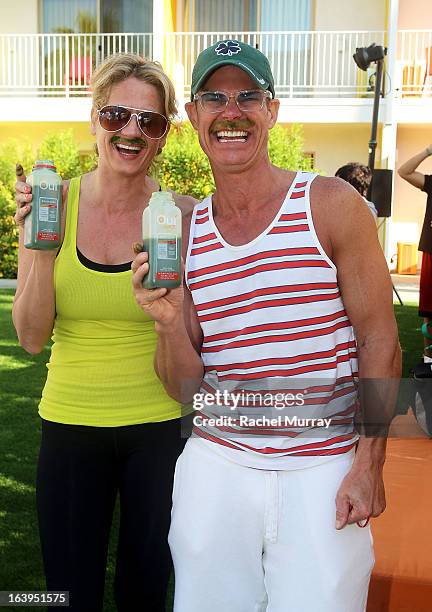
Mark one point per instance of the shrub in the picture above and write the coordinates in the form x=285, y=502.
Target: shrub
x=11, y=152
x=8, y=234
x=286, y=148
x=59, y=146
x=63, y=149
x=182, y=165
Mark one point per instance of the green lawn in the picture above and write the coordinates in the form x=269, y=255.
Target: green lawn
x=21, y=380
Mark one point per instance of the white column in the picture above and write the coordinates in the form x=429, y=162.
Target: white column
x=389, y=133
x=179, y=41
x=158, y=30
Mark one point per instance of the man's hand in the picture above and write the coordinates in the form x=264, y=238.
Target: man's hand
x=23, y=196
x=360, y=496
x=163, y=305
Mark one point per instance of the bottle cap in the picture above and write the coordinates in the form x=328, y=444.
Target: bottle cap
x=44, y=163
x=161, y=196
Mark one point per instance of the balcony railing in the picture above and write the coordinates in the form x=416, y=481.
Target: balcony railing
x=304, y=64
x=414, y=57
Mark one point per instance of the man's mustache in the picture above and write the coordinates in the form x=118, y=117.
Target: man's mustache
x=237, y=125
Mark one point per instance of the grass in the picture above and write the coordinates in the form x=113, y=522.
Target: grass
x=21, y=380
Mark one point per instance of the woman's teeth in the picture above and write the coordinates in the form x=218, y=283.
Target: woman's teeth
x=128, y=149
x=231, y=136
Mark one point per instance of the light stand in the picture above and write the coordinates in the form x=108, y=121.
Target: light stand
x=363, y=57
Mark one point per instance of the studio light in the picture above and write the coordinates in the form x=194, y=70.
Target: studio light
x=364, y=56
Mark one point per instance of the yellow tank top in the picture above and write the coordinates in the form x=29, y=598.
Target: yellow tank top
x=101, y=368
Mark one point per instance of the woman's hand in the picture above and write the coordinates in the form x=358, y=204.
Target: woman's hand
x=164, y=306
x=23, y=196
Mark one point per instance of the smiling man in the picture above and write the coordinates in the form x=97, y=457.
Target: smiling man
x=281, y=301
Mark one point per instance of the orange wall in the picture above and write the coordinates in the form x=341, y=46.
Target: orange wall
x=415, y=15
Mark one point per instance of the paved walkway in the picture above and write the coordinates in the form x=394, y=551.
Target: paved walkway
x=406, y=285
x=6, y=283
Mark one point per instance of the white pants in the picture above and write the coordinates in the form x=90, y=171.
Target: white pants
x=247, y=540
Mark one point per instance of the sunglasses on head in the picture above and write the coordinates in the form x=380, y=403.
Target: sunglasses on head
x=115, y=118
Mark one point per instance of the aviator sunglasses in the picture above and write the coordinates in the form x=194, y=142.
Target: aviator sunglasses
x=115, y=118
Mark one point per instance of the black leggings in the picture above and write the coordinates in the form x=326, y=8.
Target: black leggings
x=80, y=471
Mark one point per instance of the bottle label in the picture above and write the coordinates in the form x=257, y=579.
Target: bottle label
x=167, y=247
x=171, y=276
x=47, y=236
x=48, y=210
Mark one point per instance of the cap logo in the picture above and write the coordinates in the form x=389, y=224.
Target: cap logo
x=229, y=47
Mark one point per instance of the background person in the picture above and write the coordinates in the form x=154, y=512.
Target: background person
x=360, y=177
x=108, y=427
x=281, y=294
x=408, y=171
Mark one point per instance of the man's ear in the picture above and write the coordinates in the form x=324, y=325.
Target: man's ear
x=273, y=111
x=190, y=108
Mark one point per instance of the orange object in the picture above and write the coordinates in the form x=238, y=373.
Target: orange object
x=80, y=70
x=428, y=71
x=402, y=576
x=406, y=258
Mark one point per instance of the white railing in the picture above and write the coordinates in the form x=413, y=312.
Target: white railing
x=414, y=57
x=60, y=64
x=304, y=64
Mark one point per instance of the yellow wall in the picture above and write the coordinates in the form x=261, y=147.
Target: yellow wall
x=336, y=144
x=35, y=132
x=350, y=14
x=20, y=18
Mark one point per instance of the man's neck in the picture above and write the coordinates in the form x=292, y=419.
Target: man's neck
x=245, y=191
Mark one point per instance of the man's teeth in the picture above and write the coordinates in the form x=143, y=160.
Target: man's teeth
x=238, y=135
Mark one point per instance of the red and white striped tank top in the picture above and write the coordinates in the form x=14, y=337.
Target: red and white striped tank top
x=280, y=355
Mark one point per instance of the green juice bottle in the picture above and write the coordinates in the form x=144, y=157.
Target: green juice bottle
x=161, y=225
x=42, y=226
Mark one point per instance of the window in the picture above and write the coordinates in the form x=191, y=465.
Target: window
x=82, y=16
x=127, y=16
x=69, y=16
x=247, y=15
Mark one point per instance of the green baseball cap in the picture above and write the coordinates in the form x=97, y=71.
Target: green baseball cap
x=235, y=53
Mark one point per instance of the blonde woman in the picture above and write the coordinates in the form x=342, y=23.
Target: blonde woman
x=108, y=427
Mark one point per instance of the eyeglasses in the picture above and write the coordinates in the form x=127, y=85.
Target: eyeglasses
x=217, y=101
x=115, y=118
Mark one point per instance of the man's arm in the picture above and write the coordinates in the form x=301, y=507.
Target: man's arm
x=408, y=170
x=350, y=239
x=177, y=359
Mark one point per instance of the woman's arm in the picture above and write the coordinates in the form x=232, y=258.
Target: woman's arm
x=33, y=310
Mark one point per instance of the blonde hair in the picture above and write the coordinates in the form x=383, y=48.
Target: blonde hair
x=116, y=68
